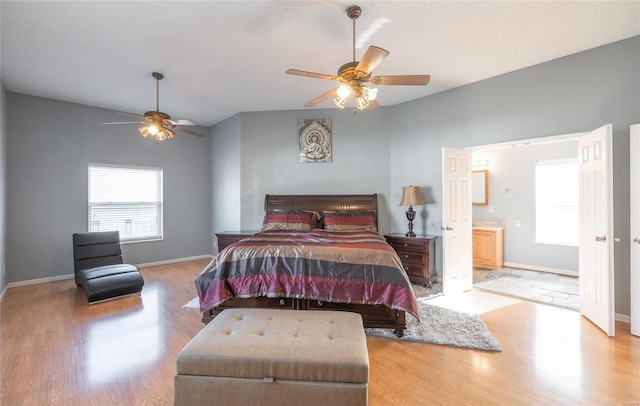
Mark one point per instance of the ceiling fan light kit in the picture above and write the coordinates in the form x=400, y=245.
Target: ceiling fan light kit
x=157, y=130
x=157, y=124
x=156, y=127
x=354, y=76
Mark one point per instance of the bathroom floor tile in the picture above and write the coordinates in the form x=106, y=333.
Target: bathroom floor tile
x=543, y=287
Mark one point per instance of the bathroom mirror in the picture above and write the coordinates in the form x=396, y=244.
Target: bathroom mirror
x=480, y=187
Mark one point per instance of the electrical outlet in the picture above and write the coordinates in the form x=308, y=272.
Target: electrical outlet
x=517, y=223
x=490, y=209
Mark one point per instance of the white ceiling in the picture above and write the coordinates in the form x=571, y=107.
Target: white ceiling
x=224, y=57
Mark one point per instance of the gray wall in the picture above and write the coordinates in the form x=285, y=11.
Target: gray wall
x=268, y=162
x=513, y=168
x=390, y=147
x=3, y=177
x=576, y=93
x=225, y=175
x=50, y=144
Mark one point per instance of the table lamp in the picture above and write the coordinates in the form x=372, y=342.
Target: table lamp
x=411, y=197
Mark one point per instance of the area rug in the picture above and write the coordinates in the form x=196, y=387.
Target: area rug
x=442, y=326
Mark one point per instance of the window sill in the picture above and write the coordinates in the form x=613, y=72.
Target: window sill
x=143, y=240
x=563, y=244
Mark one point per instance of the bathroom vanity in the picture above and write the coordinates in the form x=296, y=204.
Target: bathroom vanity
x=488, y=244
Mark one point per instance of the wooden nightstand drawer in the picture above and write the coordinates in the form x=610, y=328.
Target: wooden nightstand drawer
x=412, y=257
x=417, y=255
x=415, y=270
x=406, y=244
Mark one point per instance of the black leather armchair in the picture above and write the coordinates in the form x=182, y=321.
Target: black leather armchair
x=99, y=267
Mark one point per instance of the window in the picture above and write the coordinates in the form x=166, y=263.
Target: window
x=557, y=202
x=127, y=199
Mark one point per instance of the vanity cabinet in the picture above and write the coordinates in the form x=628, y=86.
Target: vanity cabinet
x=488, y=248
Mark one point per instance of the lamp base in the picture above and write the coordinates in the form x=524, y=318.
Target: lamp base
x=410, y=216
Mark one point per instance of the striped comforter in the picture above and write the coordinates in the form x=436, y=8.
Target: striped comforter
x=346, y=267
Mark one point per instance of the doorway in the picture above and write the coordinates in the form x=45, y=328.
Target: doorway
x=533, y=270
x=594, y=222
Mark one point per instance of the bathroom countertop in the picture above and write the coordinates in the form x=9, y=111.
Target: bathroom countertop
x=488, y=225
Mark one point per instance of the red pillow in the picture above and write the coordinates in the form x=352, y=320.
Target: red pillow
x=364, y=220
x=287, y=220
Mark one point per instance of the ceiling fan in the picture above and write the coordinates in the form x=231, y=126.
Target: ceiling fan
x=158, y=124
x=355, y=77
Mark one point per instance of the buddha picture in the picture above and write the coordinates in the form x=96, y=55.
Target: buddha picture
x=315, y=140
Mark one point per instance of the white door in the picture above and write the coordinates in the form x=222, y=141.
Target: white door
x=595, y=167
x=457, y=244
x=635, y=229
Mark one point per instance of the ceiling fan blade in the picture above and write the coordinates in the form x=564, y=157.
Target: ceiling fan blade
x=129, y=114
x=181, y=122
x=371, y=59
x=127, y=122
x=321, y=98
x=311, y=74
x=413, y=80
x=187, y=130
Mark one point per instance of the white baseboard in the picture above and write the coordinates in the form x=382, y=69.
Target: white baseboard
x=623, y=318
x=40, y=280
x=172, y=261
x=72, y=276
x=542, y=269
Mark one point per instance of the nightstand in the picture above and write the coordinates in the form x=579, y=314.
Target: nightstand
x=417, y=255
x=229, y=237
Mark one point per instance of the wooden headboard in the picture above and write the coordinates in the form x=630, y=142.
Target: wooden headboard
x=322, y=202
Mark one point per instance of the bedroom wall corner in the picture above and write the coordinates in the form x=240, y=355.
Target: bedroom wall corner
x=226, y=150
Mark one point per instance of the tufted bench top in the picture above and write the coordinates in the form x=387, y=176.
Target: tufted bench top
x=276, y=344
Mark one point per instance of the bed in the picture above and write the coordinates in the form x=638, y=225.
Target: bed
x=341, y=263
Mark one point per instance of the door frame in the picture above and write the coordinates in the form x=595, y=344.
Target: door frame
x=634, y=248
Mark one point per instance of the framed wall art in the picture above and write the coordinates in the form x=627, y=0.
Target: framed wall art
x=315, y=140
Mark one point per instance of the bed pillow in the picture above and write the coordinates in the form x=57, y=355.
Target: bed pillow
x=287, y=220
x=364, y=220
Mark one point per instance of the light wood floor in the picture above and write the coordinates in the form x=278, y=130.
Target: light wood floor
x=57, y=350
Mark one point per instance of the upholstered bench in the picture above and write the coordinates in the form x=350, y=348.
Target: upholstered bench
x=275, y=357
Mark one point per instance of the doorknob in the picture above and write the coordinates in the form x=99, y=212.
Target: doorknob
x=601, y=239
x=636, y=240
x=446, y=228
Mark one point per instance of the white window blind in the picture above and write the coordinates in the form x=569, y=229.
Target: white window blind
x=557, y=202
x=127, y=199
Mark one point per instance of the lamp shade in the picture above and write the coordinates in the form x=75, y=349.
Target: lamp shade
x=411, y=196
